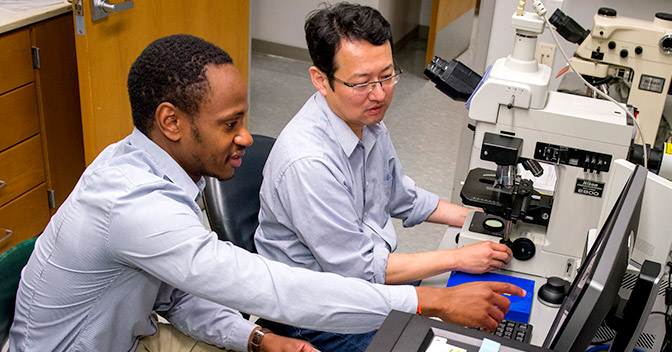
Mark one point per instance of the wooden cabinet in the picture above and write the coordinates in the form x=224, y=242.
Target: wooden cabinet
x=41, y=148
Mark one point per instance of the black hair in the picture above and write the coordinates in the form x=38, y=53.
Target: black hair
x=171, y=69
x=326, y=26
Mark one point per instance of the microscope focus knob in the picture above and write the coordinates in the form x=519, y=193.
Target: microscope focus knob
x=612, y=45
x=624, y=53
x=523, y=249
x=638, y=50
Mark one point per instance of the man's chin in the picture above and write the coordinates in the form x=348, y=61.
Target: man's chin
x=222, y=176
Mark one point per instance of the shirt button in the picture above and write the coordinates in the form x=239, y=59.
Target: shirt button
x=367, y=183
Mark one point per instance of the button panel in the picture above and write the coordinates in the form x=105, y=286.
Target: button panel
x=588, y=160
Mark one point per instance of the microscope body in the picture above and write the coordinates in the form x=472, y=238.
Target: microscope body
x=574, y=137
x=639, y=52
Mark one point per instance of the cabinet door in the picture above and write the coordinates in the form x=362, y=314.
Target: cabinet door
x=24, y=217
x=106, y=48
x=56, y=82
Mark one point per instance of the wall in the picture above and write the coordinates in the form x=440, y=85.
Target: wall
x=403, y=15
x=425, y=12
x=282, y=22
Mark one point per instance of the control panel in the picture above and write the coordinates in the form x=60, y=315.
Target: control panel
x=589, y=161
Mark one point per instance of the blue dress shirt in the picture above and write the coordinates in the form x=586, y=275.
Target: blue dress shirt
x=327, y=197
x=129, y=239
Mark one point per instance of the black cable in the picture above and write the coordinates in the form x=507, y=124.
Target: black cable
x=667, y=340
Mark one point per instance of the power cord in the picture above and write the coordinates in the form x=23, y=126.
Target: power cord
x=541, y=11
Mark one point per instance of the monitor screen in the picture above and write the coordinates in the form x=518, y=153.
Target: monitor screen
x=595, y=289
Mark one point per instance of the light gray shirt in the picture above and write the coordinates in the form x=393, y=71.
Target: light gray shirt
x=129, y=240
x=327, y=197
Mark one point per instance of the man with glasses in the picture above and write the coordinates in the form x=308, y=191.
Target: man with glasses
x=333, y=179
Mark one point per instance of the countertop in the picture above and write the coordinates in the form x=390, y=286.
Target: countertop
x=10, y=20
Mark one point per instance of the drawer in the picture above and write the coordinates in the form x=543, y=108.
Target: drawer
x=21, y=168
x=25, y=217
x=16, y=60
x=20, y=118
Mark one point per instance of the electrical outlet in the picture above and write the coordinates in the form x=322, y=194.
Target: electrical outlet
x=545, y=54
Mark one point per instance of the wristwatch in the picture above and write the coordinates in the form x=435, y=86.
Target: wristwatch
x=257, y=336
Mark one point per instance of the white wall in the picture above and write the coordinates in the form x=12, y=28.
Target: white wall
x=403, y=15
x=582, y=11
x=425, y=12
x=282, y=21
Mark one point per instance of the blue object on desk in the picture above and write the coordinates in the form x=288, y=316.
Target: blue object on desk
x=520, y=306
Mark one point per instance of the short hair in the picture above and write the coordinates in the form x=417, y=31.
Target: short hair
x=326, y=26
x=171, y=69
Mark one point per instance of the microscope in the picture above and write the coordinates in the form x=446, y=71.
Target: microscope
x=636, y=51
x=526, y=137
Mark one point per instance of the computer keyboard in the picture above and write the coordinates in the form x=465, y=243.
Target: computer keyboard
x=514, y=330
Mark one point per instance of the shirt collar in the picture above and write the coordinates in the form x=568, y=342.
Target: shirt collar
x=343, y=133
x=167, y=167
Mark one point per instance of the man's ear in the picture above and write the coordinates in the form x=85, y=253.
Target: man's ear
x=320, y=80
x=166, y=121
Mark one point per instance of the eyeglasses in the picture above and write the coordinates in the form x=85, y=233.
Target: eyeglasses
x=366, y=88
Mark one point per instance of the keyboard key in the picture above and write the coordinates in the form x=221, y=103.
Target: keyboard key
x=514, y=330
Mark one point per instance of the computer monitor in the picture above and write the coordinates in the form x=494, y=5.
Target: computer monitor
x=595, y=289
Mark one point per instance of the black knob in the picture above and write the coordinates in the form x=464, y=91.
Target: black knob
x=553, y=291
x=523, y=249
x=612, y=45
x=638, y=50
x=534, y=167
x=624, y=53
x=606, y=11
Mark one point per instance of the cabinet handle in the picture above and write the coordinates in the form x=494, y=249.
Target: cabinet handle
x=9, y=234
x=2, y=183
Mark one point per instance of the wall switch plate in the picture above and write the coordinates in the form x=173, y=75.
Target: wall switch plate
x=545, y=54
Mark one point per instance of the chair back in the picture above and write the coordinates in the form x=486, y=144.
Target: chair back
x=233, y=205
x=12, y=262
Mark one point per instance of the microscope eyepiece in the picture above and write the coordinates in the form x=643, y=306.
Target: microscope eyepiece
x=568, y=28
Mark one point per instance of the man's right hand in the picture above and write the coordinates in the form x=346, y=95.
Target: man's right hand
x=474, y=304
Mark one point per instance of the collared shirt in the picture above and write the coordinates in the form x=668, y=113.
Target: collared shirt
x=327, y=197
x=129, y=240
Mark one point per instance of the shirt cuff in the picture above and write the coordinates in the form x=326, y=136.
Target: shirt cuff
x=404, y=298
x=425, y=204
x=239, y=335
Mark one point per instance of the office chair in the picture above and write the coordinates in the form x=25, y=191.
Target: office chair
x=12, y=262
x=233, y=205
